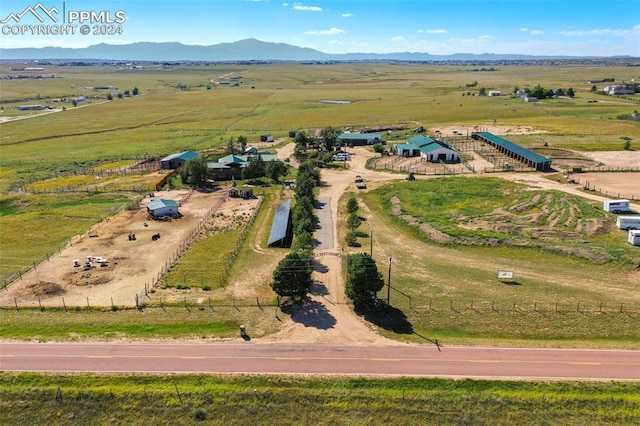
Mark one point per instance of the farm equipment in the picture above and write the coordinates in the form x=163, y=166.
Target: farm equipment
x=411, y=176
x=155, y=237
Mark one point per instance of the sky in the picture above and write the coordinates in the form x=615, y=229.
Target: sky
x=438, y=27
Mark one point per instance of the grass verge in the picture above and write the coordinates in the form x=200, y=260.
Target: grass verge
x=29, y=398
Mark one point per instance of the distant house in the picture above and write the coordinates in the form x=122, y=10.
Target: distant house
x=227, y=168
x=495, y=93
x=160, y=207
x=359, y=139
x=619, y=89
x=252, y=151
x=30, y=107
x=174, y=161
x=530, y=99
x=230, y=166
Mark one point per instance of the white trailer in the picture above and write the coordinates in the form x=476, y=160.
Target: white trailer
x=634, y=237
x=616, y=206
x=628, y=222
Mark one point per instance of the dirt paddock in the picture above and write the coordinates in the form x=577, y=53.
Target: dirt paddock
x=131, y=264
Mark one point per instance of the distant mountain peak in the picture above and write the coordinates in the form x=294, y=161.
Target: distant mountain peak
x=249, y=49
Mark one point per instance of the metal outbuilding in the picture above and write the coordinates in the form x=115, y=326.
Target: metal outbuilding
x=174, y=161
x=281, y=228
x=510, y=149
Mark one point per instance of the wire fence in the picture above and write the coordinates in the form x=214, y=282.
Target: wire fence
x=483, y=306
x=143, y=294
x=588, y=186
x=10, y=277
x=138, y=302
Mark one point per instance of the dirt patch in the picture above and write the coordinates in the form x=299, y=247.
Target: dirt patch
x=496, y=129
x=43, y=289
x=133, y=265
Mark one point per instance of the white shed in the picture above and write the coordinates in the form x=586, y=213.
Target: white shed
x=160, y=207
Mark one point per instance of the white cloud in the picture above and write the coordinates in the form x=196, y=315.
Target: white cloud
x=434, y=31
x=346, y=15
x=329, y=32
x=398, y=40
x=285, y=4
x=598, y=31
x=300, y=6
x=531, y=32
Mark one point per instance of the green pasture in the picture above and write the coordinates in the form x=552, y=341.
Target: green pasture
x=35, y=226
x=498, y=213
x=281, y=97
x=196, y=319
x=48, y=153
x=29, y=398
x=203, y=265
x=563, y=293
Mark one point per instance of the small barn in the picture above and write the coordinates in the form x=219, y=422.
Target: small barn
x=406, y=150
x=160, y=207
x=281, y=233
x=438, y=151
x=174, y=161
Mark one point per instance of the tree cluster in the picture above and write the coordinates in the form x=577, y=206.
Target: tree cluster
x=292, y=277
x=194, y=172
x=353, y=222
x=327, y=140
x=542, y=93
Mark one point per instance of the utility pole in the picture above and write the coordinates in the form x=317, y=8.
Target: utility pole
x=371, y=247
x=389, y=283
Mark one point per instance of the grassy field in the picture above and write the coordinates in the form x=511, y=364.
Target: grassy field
x=562, y=293
x=161, y=320
x=232, y=400
x=36, y=226
x=497, y=213
x=179, y=108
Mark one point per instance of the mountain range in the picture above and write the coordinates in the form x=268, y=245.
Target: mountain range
x=243, y=50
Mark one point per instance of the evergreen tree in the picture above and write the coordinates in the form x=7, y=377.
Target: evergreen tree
x=254, y=169
x=364, y=281
x=292, y=276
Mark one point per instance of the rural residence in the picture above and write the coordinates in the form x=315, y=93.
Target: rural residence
x=230, y=166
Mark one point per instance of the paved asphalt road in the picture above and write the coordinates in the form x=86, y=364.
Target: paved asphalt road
x=324, y=232
x=249, y=357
